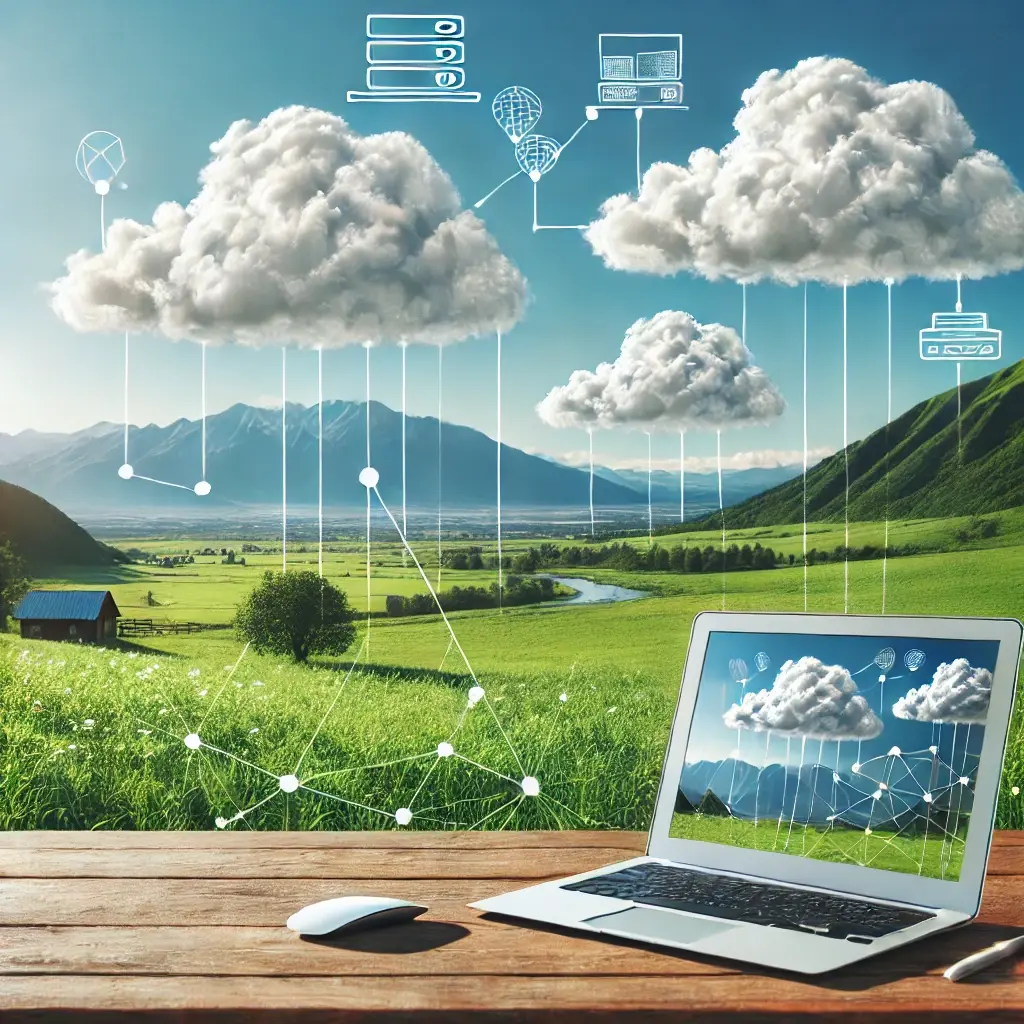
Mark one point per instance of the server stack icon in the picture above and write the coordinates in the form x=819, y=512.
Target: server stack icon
x=415, y=58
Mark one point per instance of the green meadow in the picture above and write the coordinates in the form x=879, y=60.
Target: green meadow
x=926, y=855
x=362, y=732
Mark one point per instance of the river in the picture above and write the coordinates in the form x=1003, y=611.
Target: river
x=589, y=592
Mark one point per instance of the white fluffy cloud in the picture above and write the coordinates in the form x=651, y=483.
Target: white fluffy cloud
x=957, y=693
x=808, y=698
x=671, y=373
x=303, y=231
x=832, y=175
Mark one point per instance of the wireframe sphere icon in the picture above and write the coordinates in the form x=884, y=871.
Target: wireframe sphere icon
x=202, y=488
x=99, y=159
x=517, y=110
x=369, y=477
x=126, y=472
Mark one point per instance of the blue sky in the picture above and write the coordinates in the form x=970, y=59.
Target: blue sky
x=711, y=740
x=170, y=77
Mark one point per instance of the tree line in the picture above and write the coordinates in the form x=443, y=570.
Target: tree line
x=625, y=557
x=516, y=591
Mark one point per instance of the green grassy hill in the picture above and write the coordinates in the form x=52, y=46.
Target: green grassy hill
x=935, y=468
x=44, y=537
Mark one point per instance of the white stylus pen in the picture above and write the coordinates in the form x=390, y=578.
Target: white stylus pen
x=979, y=961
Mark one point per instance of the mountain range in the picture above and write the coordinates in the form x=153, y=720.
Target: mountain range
x=929, y=462
x=244, y=463
x=815, y=792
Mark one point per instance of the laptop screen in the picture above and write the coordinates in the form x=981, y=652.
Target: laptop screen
x=852, y=749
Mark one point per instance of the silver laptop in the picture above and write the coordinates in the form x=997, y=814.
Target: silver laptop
x=828, y=792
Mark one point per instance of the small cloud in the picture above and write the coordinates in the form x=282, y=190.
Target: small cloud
x=957, y=693
x=671, y=373
x=808, y=699
x=768, y=458
x=303, y=231
x=833, y=175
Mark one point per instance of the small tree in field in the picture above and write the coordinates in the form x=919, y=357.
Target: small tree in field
x=296, y=613
x=14, y=582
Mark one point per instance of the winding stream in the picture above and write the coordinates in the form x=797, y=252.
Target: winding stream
x=589, y=592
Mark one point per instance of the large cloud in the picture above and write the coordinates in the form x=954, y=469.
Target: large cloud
x=832, y=175
x=957, y=693
x=303, y=231
x=811, y=699
x=672, y=373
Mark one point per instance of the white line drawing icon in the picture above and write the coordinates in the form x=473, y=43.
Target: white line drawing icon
x=960, y=336
x=415, y=58
x=640, y=70
x=536, y=155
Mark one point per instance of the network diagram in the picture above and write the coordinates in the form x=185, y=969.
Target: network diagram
x=891, y=806
x=699, y=377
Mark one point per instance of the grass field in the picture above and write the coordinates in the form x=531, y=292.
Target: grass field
x=927, y=856
x=408, y=691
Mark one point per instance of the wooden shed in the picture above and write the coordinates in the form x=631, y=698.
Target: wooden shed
x=89, y=616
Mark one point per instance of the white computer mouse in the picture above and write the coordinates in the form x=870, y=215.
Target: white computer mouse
x=352, y=913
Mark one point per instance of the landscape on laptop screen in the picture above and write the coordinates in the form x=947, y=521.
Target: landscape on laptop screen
x=857, y=749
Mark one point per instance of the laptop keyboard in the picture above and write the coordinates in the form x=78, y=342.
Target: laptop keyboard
x=737, y=899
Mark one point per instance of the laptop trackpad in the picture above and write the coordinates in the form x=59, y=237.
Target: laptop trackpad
x=659, y=925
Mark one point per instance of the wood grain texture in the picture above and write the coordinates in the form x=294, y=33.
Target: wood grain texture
x=189, y=926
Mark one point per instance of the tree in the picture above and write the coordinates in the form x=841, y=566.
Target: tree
x=694, y=561
x=14, y=584
x=296, y=613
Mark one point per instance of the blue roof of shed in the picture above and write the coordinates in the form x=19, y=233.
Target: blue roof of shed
x=80, y=605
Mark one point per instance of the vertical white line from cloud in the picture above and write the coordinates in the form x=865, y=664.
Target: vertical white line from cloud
x=888, y=420
x=590, y=436
x=650, y=510
x=535, y=206
x=846, y=463
x=805, y=446
x=743, y=321
x=501, y=577
x=405, y=525
x=103, y=224
x=369, y=572
x=284, y=460
x=126, y=398
x=440, y=385
x=682, y=476
x=721, y=507
x=203, y=477
x=320, y=457
x=959, y=439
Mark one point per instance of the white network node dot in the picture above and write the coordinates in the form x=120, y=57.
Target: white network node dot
x=855, y=768
x=530, y=786
x=476, y=694
x=877, y=795
x=927, y=798
x=369, y=477
x=192, y=741
x=202, y=488
x=592, y=113
x=288, y=783
x=102, y=187
x=835, y=777
x=895, y=752
x=126, y=472
x=563, y=697
x=221, y=822
x=445, y=750
x=881, y=678
x=964, y=780
x=883, y=787
x=403, y=815
x=867, y=831
x=934, y=750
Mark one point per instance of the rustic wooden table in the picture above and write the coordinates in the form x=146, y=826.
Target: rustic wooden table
x=190, y=926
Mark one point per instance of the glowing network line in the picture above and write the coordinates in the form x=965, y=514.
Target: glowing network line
x=846, y=464
x=682, y=479
x=590, y=438
x=440, y=392
x=501, y=576
x=888, y=421
x=292, y=782
x=650, y=511
x=284, y=459
x=721, y=506
x=805, y=446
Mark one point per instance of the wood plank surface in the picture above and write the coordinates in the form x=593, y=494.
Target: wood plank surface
x=189, y=926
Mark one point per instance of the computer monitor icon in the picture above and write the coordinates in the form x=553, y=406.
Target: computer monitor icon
x=640, y=69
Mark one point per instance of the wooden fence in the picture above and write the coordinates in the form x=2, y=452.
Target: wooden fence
x=157, y=627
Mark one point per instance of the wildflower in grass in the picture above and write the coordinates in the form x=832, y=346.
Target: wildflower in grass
x=238, y=686
x=251, y=731
x=563, y=697
x=37, y=705
x=72, y=746
x=1015, y=790
x=193, y=673
x=133, y=654
x=203, y=693
x=257, y=683
x=144, y=732
x=611, y=711
x=162, y=711
x=88, y=723
x=67, y=691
